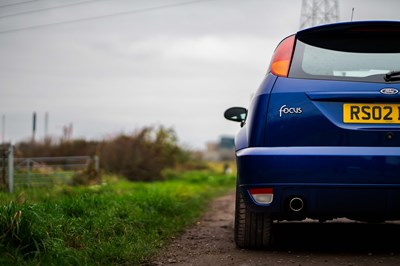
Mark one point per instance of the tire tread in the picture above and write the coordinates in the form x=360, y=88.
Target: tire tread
x=252, y=230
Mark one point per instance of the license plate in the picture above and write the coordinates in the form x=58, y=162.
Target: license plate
x=371, y=113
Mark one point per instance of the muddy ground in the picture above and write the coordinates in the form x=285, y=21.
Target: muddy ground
x=341, y=242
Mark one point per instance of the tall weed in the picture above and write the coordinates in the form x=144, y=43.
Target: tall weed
x=19, y=229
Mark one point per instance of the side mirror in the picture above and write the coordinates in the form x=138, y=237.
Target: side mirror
x=236, y=114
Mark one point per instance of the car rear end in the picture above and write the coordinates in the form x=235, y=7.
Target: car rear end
x=322, y=136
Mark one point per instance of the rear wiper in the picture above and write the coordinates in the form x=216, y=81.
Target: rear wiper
x=392, y=76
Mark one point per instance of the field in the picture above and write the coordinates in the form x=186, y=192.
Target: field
x=115, y=223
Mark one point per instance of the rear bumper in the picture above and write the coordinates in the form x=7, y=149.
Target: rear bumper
x=361, y=183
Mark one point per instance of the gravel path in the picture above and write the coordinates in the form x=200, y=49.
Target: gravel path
x=210, y=242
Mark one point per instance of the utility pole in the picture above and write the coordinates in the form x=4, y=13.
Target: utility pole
x=46, y=125
x=318, y=12
x=33, y=127
x=3, y=129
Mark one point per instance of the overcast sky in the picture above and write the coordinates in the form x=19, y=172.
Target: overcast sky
x=175, y=63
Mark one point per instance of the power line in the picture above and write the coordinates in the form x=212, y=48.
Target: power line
x=143, y=10
x=46, y=8
x=19, y=3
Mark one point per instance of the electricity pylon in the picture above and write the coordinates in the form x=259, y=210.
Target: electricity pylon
x=318, y=12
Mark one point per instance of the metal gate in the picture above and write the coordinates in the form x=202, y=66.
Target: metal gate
x=40, y=171
x=48, y=171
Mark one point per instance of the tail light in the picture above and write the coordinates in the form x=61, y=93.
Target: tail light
x=262, y=195
x=282, y=57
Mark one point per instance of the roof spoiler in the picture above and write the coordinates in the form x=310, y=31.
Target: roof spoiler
x=376, y=36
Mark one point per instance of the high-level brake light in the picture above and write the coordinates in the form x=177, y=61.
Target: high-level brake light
x=282, y=57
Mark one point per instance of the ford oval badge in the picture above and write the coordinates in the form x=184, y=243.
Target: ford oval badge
x=389, y=91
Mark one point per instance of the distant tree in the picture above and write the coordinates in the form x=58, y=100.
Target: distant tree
x=143, y=155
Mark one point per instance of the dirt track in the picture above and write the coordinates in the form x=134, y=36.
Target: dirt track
x=210, y=242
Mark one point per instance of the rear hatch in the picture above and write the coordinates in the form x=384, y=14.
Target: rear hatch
x=342, y=89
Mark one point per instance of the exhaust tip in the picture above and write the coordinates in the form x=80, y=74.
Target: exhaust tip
x=296, y=204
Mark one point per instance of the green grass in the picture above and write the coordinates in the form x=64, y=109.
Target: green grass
x=113, y=224
x=44, y=178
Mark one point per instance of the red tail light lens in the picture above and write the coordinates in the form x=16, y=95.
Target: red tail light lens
x=282, y=57
x=262, y=195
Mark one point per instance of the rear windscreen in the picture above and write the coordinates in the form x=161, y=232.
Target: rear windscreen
x=356, y=64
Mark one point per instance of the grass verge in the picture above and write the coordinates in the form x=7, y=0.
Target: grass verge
x=113, y=224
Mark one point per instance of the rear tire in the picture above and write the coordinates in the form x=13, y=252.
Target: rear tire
x=252, y=230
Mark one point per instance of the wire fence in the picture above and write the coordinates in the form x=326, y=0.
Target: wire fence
x=40, y=171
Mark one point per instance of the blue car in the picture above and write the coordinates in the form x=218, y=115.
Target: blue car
x=321, y=138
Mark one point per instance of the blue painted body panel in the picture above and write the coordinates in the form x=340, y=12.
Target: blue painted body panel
x=354, y=182
x=321, y=120
x=338, y=169
x=252, y=134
